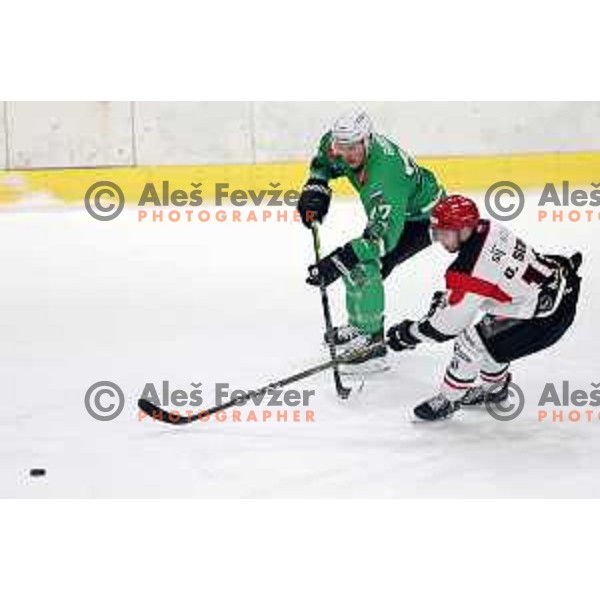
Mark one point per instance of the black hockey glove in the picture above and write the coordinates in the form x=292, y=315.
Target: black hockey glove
x=332, y=267
x=314, y=201
x=399, y=337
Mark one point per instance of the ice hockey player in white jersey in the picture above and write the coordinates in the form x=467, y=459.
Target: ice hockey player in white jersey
x=527, y=300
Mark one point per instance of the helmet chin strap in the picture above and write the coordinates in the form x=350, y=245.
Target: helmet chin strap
x=366, y=142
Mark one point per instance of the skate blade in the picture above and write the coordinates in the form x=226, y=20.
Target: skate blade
x=356, y=389
x=374, y=366
x=457, y=415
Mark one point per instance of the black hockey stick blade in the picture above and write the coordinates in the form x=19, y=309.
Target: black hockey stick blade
x=158, y=414
x=176, y=418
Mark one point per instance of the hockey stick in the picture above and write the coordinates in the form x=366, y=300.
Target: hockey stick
x=342, y=391
x=176, y=418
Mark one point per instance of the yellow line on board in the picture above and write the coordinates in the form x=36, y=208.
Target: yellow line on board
x=456, y=173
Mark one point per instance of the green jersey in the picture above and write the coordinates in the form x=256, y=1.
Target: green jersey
x=393, y=188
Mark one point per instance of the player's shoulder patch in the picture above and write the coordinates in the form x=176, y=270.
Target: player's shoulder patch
x=471, y=250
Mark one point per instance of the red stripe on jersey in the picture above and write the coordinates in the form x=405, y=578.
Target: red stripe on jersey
x=461, y=284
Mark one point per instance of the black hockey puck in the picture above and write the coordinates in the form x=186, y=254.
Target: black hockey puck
x=37, y=472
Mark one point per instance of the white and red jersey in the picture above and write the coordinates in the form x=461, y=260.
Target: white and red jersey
x=494, y=273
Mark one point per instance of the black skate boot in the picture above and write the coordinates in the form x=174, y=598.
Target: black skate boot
x=438, y=407
x=479, y=395
x=576, y=261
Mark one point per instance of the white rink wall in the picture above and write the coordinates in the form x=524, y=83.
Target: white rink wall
x=91, y=134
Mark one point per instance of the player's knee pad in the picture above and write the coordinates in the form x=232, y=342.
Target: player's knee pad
x=468, y=347
x=466, y=360
x=491, y=371
x=363, y=275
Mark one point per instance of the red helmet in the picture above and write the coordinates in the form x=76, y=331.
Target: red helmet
x=454, y=212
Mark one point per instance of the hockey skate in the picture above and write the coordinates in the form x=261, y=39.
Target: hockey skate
x=438, y=407
x=480, y=395
x=370, y=351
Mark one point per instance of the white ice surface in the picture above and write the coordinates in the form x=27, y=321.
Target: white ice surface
x=84, y=301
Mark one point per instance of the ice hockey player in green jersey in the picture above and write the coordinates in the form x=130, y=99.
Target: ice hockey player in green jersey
x=397, y=195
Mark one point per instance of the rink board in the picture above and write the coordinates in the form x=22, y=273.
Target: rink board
x=456, y=173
